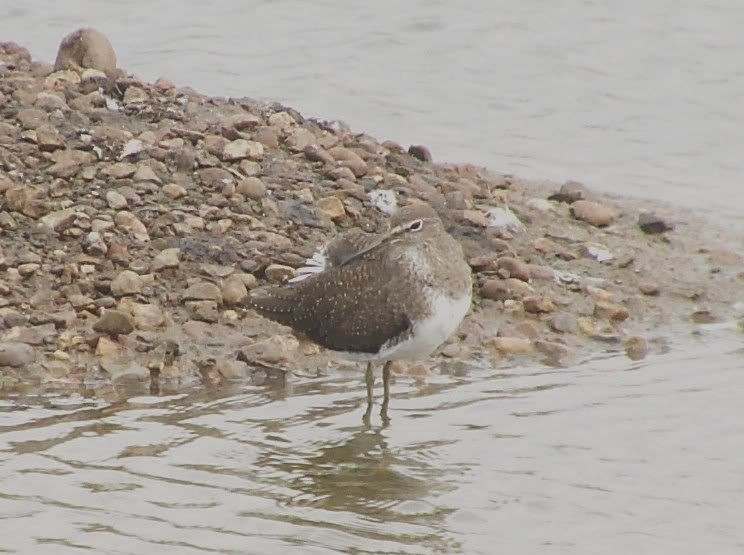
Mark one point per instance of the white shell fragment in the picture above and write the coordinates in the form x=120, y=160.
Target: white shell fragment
x=132, y=146
x=112, y=105
x=384, y=200
x=598, y=252
x=503, y=219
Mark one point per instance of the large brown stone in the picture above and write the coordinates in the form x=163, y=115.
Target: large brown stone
x=86, y=48
x=113, y=322
x=592, y=212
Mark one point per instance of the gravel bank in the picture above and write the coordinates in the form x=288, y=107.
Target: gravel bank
x=135, y=217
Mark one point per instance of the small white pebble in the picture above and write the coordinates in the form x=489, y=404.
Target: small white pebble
x=384, y=200
x=503, y=219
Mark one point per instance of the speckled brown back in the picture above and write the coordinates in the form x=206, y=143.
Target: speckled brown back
x=357, y=306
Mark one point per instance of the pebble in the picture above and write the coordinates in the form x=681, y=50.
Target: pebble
x=50, y=102
x=113, y=322
x=279, y=273
x=587, y=326
x=147, y=317
x=648, y=287
x=249, y=280
x=282, y=120
x=592, y=212
x=495, y=289
x=420, y=152
x=119, y=170
x=241, y=149
x=131, y=148
x=546, y=246
x=146, y=173
x=107, y=347
x=174, y=191
x=126, y=283
x=511, y=345
x=596, y=251
x=217, y=270
x=349, y=159
x=205, y=311
x=49, y=139
x=703, y=316
x=636, y=347
x=564, y=322
x=528, y=329
x=315, y=153
x=203, y=291
x=473, y=217
x=519, y=289
x=134, y=95
x=231, y=369
x=94, y=244
x=556, y=352
x=502, y=219
x=514, y=268
x=26, y=200
x=15, y=354
x=652, y=224
x=610, y=311
x=86, y=48
x=277, y=349
x=245, y=121
x=252, y=188
x=341, y=173
x=300, y=139
x=167, y=258
x=538, y=304
x=332, y=208
x=599, y=293
x=32, y=118
x=126, y=372
x=27, y=270
x=228, y=190
x=457, y=200
x=570, y=192
x=267, y=136
x=116, y=201
x=234, y=290
x=32, y=335
x=132, y=224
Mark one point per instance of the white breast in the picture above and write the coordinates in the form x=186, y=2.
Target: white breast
x=427, y=334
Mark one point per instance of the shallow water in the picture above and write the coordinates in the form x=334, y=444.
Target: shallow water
x=640, y=98
x=608, y=457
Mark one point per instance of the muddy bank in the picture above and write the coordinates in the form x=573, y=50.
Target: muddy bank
x=135, y=217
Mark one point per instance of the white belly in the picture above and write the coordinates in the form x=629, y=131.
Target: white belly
x=428, y=334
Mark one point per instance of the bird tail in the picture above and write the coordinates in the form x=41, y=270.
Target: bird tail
x=275, y=303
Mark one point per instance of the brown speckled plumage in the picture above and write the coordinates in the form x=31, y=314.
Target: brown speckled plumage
x=367, y=294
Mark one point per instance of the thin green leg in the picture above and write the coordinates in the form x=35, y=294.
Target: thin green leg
x=369, y=377
x=386, y=388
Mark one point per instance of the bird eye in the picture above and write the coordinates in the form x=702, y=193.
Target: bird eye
x=416, y=225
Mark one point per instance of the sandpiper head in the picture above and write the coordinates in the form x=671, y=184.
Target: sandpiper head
x=417, y=210
x=417, y=219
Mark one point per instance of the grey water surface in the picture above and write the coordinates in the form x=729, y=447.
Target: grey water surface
x=610, y=456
